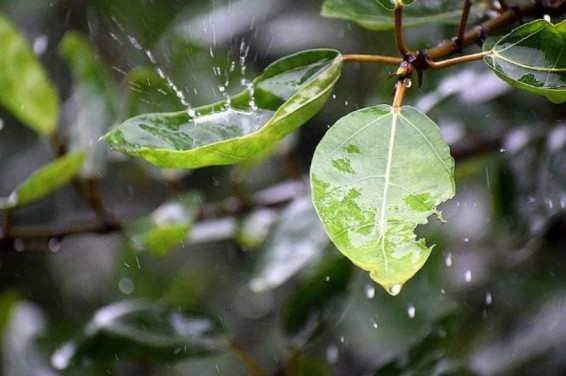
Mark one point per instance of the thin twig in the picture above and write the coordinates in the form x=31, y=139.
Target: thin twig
x=362, y=58
x=246, y=359
x=463, y=22
x=399, y=39
x=400, y=90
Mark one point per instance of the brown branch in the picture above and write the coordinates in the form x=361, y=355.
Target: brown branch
x=463, y=22
x=399, y=39
x=458, y=60
x=362, y=58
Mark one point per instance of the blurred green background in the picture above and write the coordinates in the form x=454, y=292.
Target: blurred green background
x=490, y=301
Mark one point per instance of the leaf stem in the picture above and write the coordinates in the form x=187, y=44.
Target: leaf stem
x=363, y=58
x=400, y=90
x=399, y=39
x=458, y=60
x=246, y=359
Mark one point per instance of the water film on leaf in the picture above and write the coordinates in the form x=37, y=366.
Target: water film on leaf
x=533, y=58
x=288, y=93
x=376, y=175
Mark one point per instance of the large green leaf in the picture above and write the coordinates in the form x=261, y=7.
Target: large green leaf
x=533, y=57
x=44, y=181
x=375, y=176
x=142, y=330
x=288, y=93
x=24, y=88
x=93, y=103
x=378, y=15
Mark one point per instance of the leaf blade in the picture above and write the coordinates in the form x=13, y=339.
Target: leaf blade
x=532, y=57
x=25, y=89
x=394, y=170
x=286, y=95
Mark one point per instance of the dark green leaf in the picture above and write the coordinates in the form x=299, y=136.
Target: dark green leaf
x=297, y=241
x=532, y=58
x=378, y=15
x=376, y=175
x=314, y=301
x=285, y=96
x=24, y=87
x=167, y=227
x=92, y=104
x=141, y=330
x=45, y=180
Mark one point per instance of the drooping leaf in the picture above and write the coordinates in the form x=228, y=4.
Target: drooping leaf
x=532, y=57
x=92, y=106
x=165, y=228
x=314, y=302
x=25, y=89
x=288, y=93
x=376, y=175
x=45, y=180
x=378, y=15
x=297, y=241
x=141, y=330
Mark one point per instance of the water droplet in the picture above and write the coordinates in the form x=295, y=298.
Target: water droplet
x=502, y=150
x=395, y=289
x=374, y=324
x=333, y=96
x=327, y=278
x=342, y=339
x=411, y=311
x=126, y=286
x=54, y=245
x=407, y=82
x=466, y=240
x=448, y=259
x=468, y=276
x=370, y=291
x=19, y=245
x=488, y=298
x=346, y=103
x=332, y=354
x=40, y=45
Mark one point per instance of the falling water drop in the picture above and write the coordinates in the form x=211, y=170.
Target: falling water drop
x=370, y=291
x=448, y=259
x=19, y=245
x=374, y=324
x=327, y=278
x=411, y=311
x=332, y=354
x=468, y=276
x=488, y=298
x=54, y=245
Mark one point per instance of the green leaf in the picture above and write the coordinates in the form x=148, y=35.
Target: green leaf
x=142, y=330
x=390, y=4
x=167, y=227
x=378, y=15
x=92, y=103
x=24, y=87
x=532, y=57
x=44, y=181
x=375, y=176
x=297, y=241
x=288, y=93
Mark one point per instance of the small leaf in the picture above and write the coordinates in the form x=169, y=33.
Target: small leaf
x=167, y=227
x=142, y=330
x=92, y=103
x=532, y=58
x=45, y=180
x=378, y=14
x=24, y=87
x=297, y=241
x=285, y=96
x=394, y=170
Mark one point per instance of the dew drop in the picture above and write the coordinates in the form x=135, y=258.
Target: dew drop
x=407, y=82
x=370, y=291
x=54, y=245
x=395, y=289
x=411, y=311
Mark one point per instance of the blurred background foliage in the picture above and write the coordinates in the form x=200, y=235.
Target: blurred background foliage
x=211, y=271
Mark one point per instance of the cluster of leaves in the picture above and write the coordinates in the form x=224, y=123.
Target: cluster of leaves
x=377, y=174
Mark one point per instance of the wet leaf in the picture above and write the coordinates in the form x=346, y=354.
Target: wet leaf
x=167, y=227
x=376, y=175
x=297, y=241
x=92, y=106
x=25, y=89
x=313, y=302
x=288, y=93
x=44, y=181
x=532, y=58
x=142, y=330
x=378, y=15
